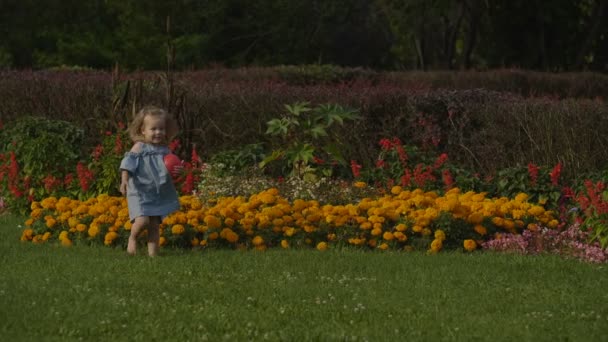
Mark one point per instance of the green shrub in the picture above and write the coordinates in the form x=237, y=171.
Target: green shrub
x=38, y=158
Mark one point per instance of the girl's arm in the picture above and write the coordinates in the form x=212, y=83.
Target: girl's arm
x=124, y=174
x=124, y=179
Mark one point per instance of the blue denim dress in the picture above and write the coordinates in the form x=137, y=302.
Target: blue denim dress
x=150, y=190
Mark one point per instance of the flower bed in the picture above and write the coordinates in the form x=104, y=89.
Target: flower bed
x=399, y=220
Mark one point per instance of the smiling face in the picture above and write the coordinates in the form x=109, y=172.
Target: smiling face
x=154, y=129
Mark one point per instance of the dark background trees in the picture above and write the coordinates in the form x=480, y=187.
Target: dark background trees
x=558, y=35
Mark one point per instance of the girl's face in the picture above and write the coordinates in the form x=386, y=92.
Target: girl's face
x=154, y=130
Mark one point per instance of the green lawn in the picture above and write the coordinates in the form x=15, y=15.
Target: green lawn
x=52, y=293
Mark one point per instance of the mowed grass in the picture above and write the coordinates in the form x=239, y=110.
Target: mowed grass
x=52, y=293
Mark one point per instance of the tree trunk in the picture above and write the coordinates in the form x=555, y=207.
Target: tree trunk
x=475, y=10
x=590, y=36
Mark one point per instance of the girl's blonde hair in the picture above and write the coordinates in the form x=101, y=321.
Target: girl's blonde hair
x=138, y=121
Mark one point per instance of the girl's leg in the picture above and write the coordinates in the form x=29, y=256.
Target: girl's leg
x=153, y=235
x=138, y=225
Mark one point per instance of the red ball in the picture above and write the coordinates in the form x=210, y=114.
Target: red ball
x=171, y=161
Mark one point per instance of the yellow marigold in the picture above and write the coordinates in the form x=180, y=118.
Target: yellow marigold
x=49, y=203
x=63, y=235
x=508, y=224
x=66, y=242
x=360, y=185
x=536, y=210
x=400, y=236
x=212, y=221
x=289, y=231
x=469, y=245
x=230, y=235
x=36, y=213
x=376, y=231
x=426, y=232
x=35, y=205
x=436, y=245
x=177, y=229
x=93, y=230
x=475, y=217
x=322, y=246
x=29, y=222
x=521, y=197
x=27, y=234
x=194, y=242
x=284, y=244
x=553, y=223
x=481, y=230
x=401, y=227
x=109, y=238
x=388, y=236
x=257, y=240
x=396, y=190
x=498, y=221
x=162, y=241
x=268, y=198
x=51, y=222
x=46, y=236
x=440, y=234
x=365, y=225
x=383, y=246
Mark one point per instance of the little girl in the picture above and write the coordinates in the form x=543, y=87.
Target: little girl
x=145, y=180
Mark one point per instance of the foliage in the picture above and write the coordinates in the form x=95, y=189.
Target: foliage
x=593, y=216
x=235, y=160
x=481, y=130
x=305, y=138
x=379, y=34
x=105, y=160
x=37, y=159
x=542, y=184
x=412, y=167
x=65, y=171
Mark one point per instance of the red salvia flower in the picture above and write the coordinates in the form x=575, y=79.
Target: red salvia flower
x=68, y=179
x=355, y=168
x=97, y=152
x=406, y=179
x=448, y=180
x=440, y=160
x=533, y=173
x=118, y=146
x=85, y=176
x=51, y=183
x=385, y=144
x=188, y=185
x=174, y=145
x=555, y=173
x=400, y=151
x=195, y=159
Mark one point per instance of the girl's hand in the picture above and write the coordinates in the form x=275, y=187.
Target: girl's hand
x=177, y=169
x=123, y=188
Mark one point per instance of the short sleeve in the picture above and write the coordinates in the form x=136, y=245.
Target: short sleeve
x=129, y=162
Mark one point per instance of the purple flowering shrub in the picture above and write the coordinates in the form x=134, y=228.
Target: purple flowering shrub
x=571, y=242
